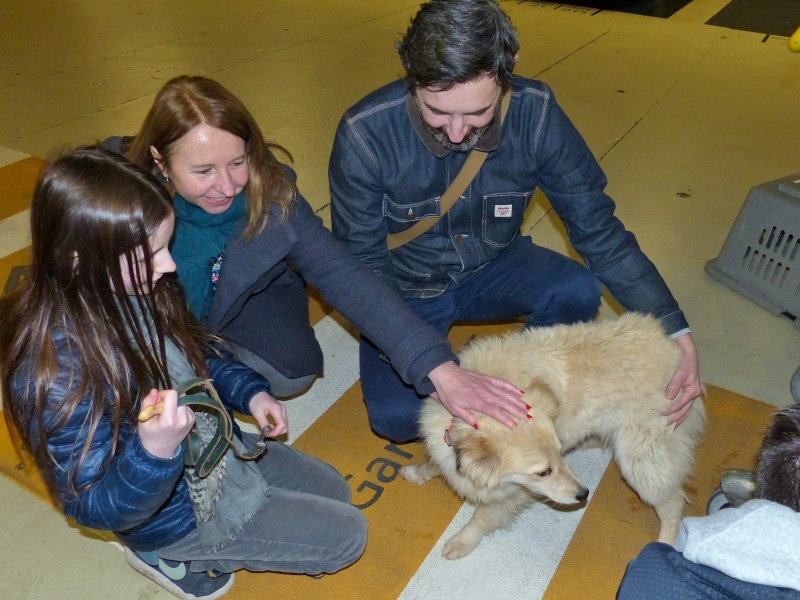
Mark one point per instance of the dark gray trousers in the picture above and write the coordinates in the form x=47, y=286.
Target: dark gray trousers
x=308, y=526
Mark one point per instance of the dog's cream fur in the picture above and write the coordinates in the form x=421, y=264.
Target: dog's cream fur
x=604, y=379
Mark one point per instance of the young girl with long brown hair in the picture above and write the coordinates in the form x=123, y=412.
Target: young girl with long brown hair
x=98, y=331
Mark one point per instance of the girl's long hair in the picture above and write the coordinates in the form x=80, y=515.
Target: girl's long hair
x=93, y=214
x=185, y=102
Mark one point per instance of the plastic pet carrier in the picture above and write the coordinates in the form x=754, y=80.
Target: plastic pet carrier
x=761, y=256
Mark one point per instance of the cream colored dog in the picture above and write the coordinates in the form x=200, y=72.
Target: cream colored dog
x=604, y=379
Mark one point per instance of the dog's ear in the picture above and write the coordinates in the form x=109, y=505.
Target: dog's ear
x=477, y=460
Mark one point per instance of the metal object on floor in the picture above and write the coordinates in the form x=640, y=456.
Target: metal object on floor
x=794, y=385
x=761, y=256
x=736, y=487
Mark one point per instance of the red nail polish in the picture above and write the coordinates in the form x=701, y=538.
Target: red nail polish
x=475, y=425
x=527, y=407
x=530, y=417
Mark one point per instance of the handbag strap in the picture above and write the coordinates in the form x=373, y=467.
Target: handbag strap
x=467, y=173
x=204, y=460
x=205, y=457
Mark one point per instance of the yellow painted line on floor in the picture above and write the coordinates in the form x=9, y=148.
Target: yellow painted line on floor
x=17, y=182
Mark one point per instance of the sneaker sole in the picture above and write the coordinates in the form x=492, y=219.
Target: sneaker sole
x=165, y=582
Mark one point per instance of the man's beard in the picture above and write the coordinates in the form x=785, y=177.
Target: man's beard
x=465, y=145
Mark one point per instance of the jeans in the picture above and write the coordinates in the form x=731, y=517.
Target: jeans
x=308, y=526
x=662, y=573
x=526, y=280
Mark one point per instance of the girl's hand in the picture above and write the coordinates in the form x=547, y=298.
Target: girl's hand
x=162, y=434
x=262, y=405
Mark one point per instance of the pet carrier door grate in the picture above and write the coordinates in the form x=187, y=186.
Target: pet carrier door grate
x=761, y=256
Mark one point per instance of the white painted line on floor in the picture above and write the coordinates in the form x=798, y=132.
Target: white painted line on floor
x=516, y=563
x=9, y=156
x=15, y=233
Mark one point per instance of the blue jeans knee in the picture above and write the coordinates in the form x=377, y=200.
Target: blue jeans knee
x=392, y=405
x=574, y=300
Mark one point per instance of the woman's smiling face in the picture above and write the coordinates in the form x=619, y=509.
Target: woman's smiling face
x=208, y=167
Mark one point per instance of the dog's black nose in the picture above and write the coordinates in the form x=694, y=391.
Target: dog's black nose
x=582, y=495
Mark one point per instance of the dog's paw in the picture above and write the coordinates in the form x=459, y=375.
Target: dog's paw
x=460, y=545
x=420, y=473
x=411, y=473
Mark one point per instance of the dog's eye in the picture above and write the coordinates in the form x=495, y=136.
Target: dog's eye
x=545, y=473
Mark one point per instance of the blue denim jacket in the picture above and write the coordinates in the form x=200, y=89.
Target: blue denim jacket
x=387, y=172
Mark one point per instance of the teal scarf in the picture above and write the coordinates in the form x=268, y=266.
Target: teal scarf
x=197, y=247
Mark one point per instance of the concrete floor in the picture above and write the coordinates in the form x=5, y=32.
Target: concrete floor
x=684, y=117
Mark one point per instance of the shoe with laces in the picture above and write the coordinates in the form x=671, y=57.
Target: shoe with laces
x=176, y=578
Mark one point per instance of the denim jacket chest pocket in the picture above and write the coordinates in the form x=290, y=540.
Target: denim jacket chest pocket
x=502, y=216
x=410, y=212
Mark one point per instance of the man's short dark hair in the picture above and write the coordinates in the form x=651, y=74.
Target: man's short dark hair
x=778, y=467
x=456, y=41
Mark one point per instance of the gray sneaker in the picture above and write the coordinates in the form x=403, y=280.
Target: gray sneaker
x=176, y=578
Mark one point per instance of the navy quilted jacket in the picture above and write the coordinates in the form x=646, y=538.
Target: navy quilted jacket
x=143, y=499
